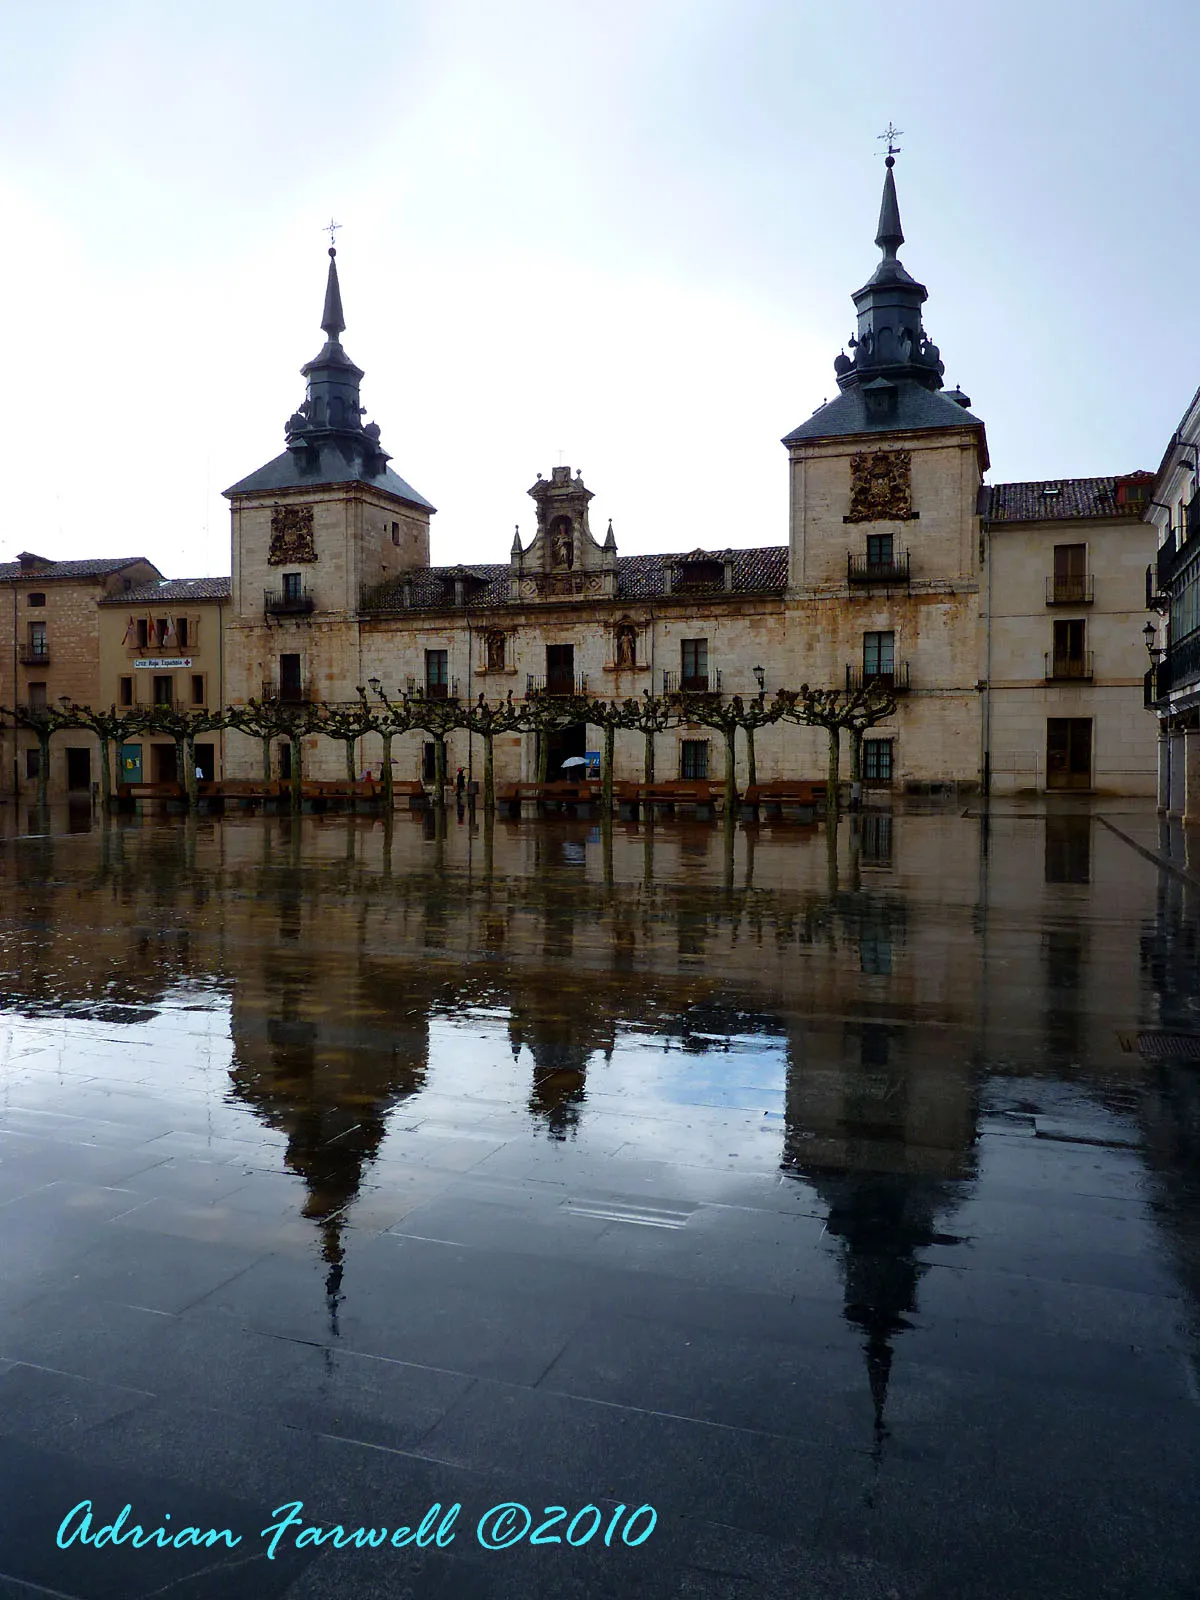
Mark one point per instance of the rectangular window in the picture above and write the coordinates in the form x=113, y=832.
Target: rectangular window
x=33, y=763
x=693, y=662
x=395, y=533
x=37, y=640
x=879, y=655
x=162, y=626
x=877, y=760
x=1070, y=573
x=164, y=691
x=37, y=697
x=36, y=600
x=879, y=550
x=693, y=759
x=290, y=686
x=181, y=632
x=292, y=586
x=1069, y=639
x=143, y=633
x=436, y=673
x=126, y=691
x=197, y=688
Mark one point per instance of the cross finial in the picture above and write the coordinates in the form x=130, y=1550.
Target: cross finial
x=331, y=228
x=891, y=133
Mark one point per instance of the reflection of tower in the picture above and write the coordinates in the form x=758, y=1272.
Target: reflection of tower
x=325, y=1063
x=563, y=1032
x=885, y=1141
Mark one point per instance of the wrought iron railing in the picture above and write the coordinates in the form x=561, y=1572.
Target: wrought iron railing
x=1073, y=669
x=423, y=689
x=1079, y=589
x=895, y=677
x=34, y=655
x=548, y=683
x=284, y=603
x=861, y=569
x=692, y=682
x=288, y=694
x=1180, y=665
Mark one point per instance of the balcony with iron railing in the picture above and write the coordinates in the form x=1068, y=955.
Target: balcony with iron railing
x=1069, y=669
x=1180, y=667
x=895, y=678
x=288, y=694
x=423, y=689
x=861, y=569
x=34, y=655
x=1078, y=589
x=288, y=603
x=554, y=683
x=692, y=682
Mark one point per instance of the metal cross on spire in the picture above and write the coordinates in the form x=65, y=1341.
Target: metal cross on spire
x=891, y=133
x=331, y=228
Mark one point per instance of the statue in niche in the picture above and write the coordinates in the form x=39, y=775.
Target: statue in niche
x=626, y=646
x=495, y=652
x=291, y=535
x=562, y=546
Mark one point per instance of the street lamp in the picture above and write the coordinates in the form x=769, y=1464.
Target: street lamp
x=760, y=676
x=1150, y=634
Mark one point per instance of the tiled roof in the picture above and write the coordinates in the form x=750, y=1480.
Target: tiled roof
x=758, y=571
x=1075, y=498
x=916, y=408
x=72, y=569
x=175, y=589
x=334, y=463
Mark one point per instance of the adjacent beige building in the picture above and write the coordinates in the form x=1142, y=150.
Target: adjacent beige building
x=1065, y=606
x=163, y=644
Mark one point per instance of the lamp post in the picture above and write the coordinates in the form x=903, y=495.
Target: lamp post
x=760, y=677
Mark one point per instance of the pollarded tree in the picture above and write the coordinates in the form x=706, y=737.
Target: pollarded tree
x=835, y=709
x=387, y=718
x=345, y=723
x=277, y=719
x=648, y=715
x=487, y=721
x=725, y=717
x=438, y=718
x=111, y=727
x=44, y=721
x=184, y=724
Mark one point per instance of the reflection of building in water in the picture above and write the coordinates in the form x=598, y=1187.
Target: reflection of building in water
x=564, y=1028
x=1068, y=848
x=326, y=1068
x=885, y=1137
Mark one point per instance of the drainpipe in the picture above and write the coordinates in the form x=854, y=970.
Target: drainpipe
x=16, y=725
x=221, y=680
x=470, y=735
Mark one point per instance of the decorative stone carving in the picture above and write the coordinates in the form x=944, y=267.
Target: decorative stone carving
x=495, y=652
x=881, y=486
x=291, y=536
x=626, y=645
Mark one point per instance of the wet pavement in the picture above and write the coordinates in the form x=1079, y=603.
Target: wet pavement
x=842, y=1206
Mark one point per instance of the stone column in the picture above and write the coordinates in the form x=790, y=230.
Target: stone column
x=1191, y=778
x=1164, y=767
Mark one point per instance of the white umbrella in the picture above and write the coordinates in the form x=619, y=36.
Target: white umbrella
x=575, y=761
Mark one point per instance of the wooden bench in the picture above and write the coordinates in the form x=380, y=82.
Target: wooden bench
x=769, y=799
x=560, y=794
x=666, y=797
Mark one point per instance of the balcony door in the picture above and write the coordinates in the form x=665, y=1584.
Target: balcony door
x=1068, y=752
x=879, y=656
x=560, y=669
x=1070, y=570
x=289, y=678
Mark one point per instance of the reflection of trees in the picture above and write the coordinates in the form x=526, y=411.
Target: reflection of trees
x=563, y=1026
x=886, y=1142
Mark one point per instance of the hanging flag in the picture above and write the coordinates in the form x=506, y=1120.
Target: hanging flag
x=170, y=637
x=130, y=632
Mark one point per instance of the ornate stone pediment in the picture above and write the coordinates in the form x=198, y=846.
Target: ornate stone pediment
x=291, y=536
x=881, y=486
x=561, y=585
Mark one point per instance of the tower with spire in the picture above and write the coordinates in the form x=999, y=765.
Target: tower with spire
x=314, y=527
x=884, y=559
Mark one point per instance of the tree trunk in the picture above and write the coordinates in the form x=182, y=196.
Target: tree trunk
x=266, y=757
x=105, y=773
x=831, y=783
x=543, y=755
x=181, y=771
x=389, y=796
x=489, y=772
x=296, y=798
x=649, y=755
x=856, y=744
x=350, y=743
x=730, y=772
x=606, y=771
x=190, y=786
x=439, y=769
x=43, y=787
x=751, y=762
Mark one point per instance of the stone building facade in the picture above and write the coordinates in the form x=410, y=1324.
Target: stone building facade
x=884, y=575
x=50, y=624
x=164, y=644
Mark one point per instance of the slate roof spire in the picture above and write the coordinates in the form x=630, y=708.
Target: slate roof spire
x=890, y=236
x=332, y=320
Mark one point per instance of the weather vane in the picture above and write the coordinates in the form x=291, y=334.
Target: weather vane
x=890, y=133
x=331, y=228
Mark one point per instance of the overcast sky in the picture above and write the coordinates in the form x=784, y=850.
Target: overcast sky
x=628, y=232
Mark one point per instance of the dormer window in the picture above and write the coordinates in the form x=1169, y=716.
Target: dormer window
x=702, y=573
